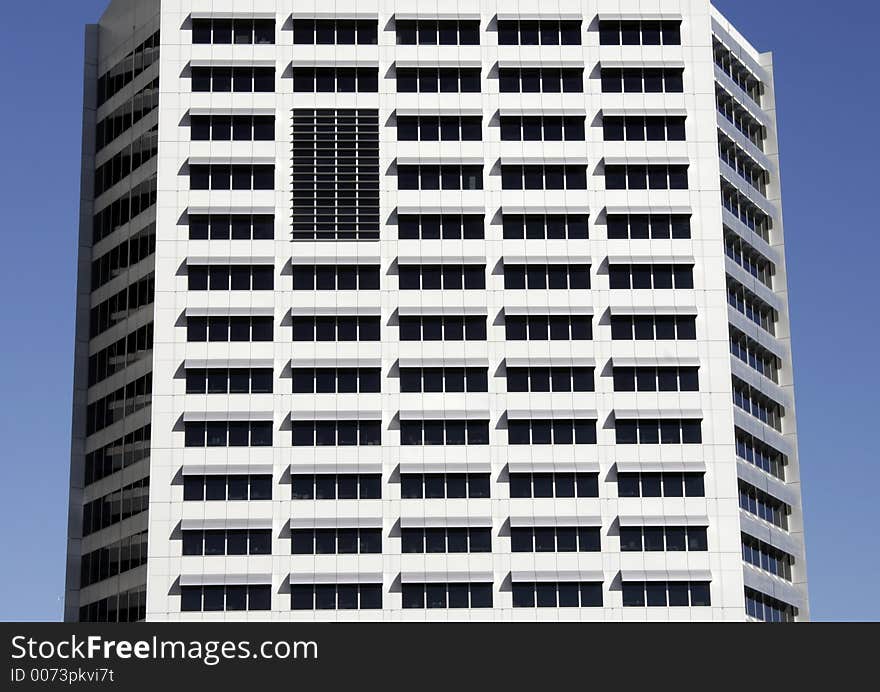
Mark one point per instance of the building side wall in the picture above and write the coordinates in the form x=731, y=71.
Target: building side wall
x=791, y=538
x=124, y=27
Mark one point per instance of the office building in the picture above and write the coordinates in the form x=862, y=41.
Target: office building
x=423, y=311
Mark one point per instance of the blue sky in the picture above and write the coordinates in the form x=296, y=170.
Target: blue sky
x=827, y=80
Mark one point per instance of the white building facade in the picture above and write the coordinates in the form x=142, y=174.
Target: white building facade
x=424, y=311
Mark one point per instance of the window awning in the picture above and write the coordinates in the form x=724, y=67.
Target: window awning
x=665, y=575
x=556, y=520
x=225, y=579
x=444, y=521
x=337, y=577
x=336, y=522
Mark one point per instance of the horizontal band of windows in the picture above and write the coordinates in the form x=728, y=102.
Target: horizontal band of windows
x=753, y=354
x=126, y=70
x=224, y=329
x=741, y=118
x=555, y=539
x=116, y=506
x=757, y=404
x=227, y=542
x=438, y=80
x=652, y=431
x=747, y=257
x=121, y=306
x=760, y=454
x=440, y=226
x=556, y=484
x=342, y=433
x=745, y=166
x=113, y=407
x=649, y=328
x=734, y=68
x=553, y=276
x=222, y=487
x=456, y=595
x=229, y=380
x=545, y=32
x=764, y=556
x=335, y=79
x=121, y=354
x=545, y=226
x=764, y=505
x=128, y=253
x=441, y=379
x=544, y=177
x=238, y=128
x=432, y=128
x=437, y=177
x=128, y=606
x=642, y=80
x=550, y=379
x=647, y=484
x=656, y=379
x=763, y=607
x=547, y=128
x=752, y=216
x=641, y=128
x=335, y=541
x=753, y=308
x=336, y=380
x=121, y=211
x=335, y=277
x=446, y=540
x=451, y=328
x=239, y=277
x=640, y=32
x=236, y=31
x=225, y=598
x=432, y=32
x=127, y=161
x=444, y=432
x=335, y=32
x=666, y=594
x=444, y=485
x=228, y=434
x=127, y=115
x=653, y=177
x=329, y=486
x=568, y=594
x=549, y=327
x=644, y=226
x=336, y=328
x=231, y=226
x=434, y=277
x=540, y=79
x=235, y=177
x=659, y=538
x=233, y=79
x=556, y=431
x=117, y=455
x=335, y=596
